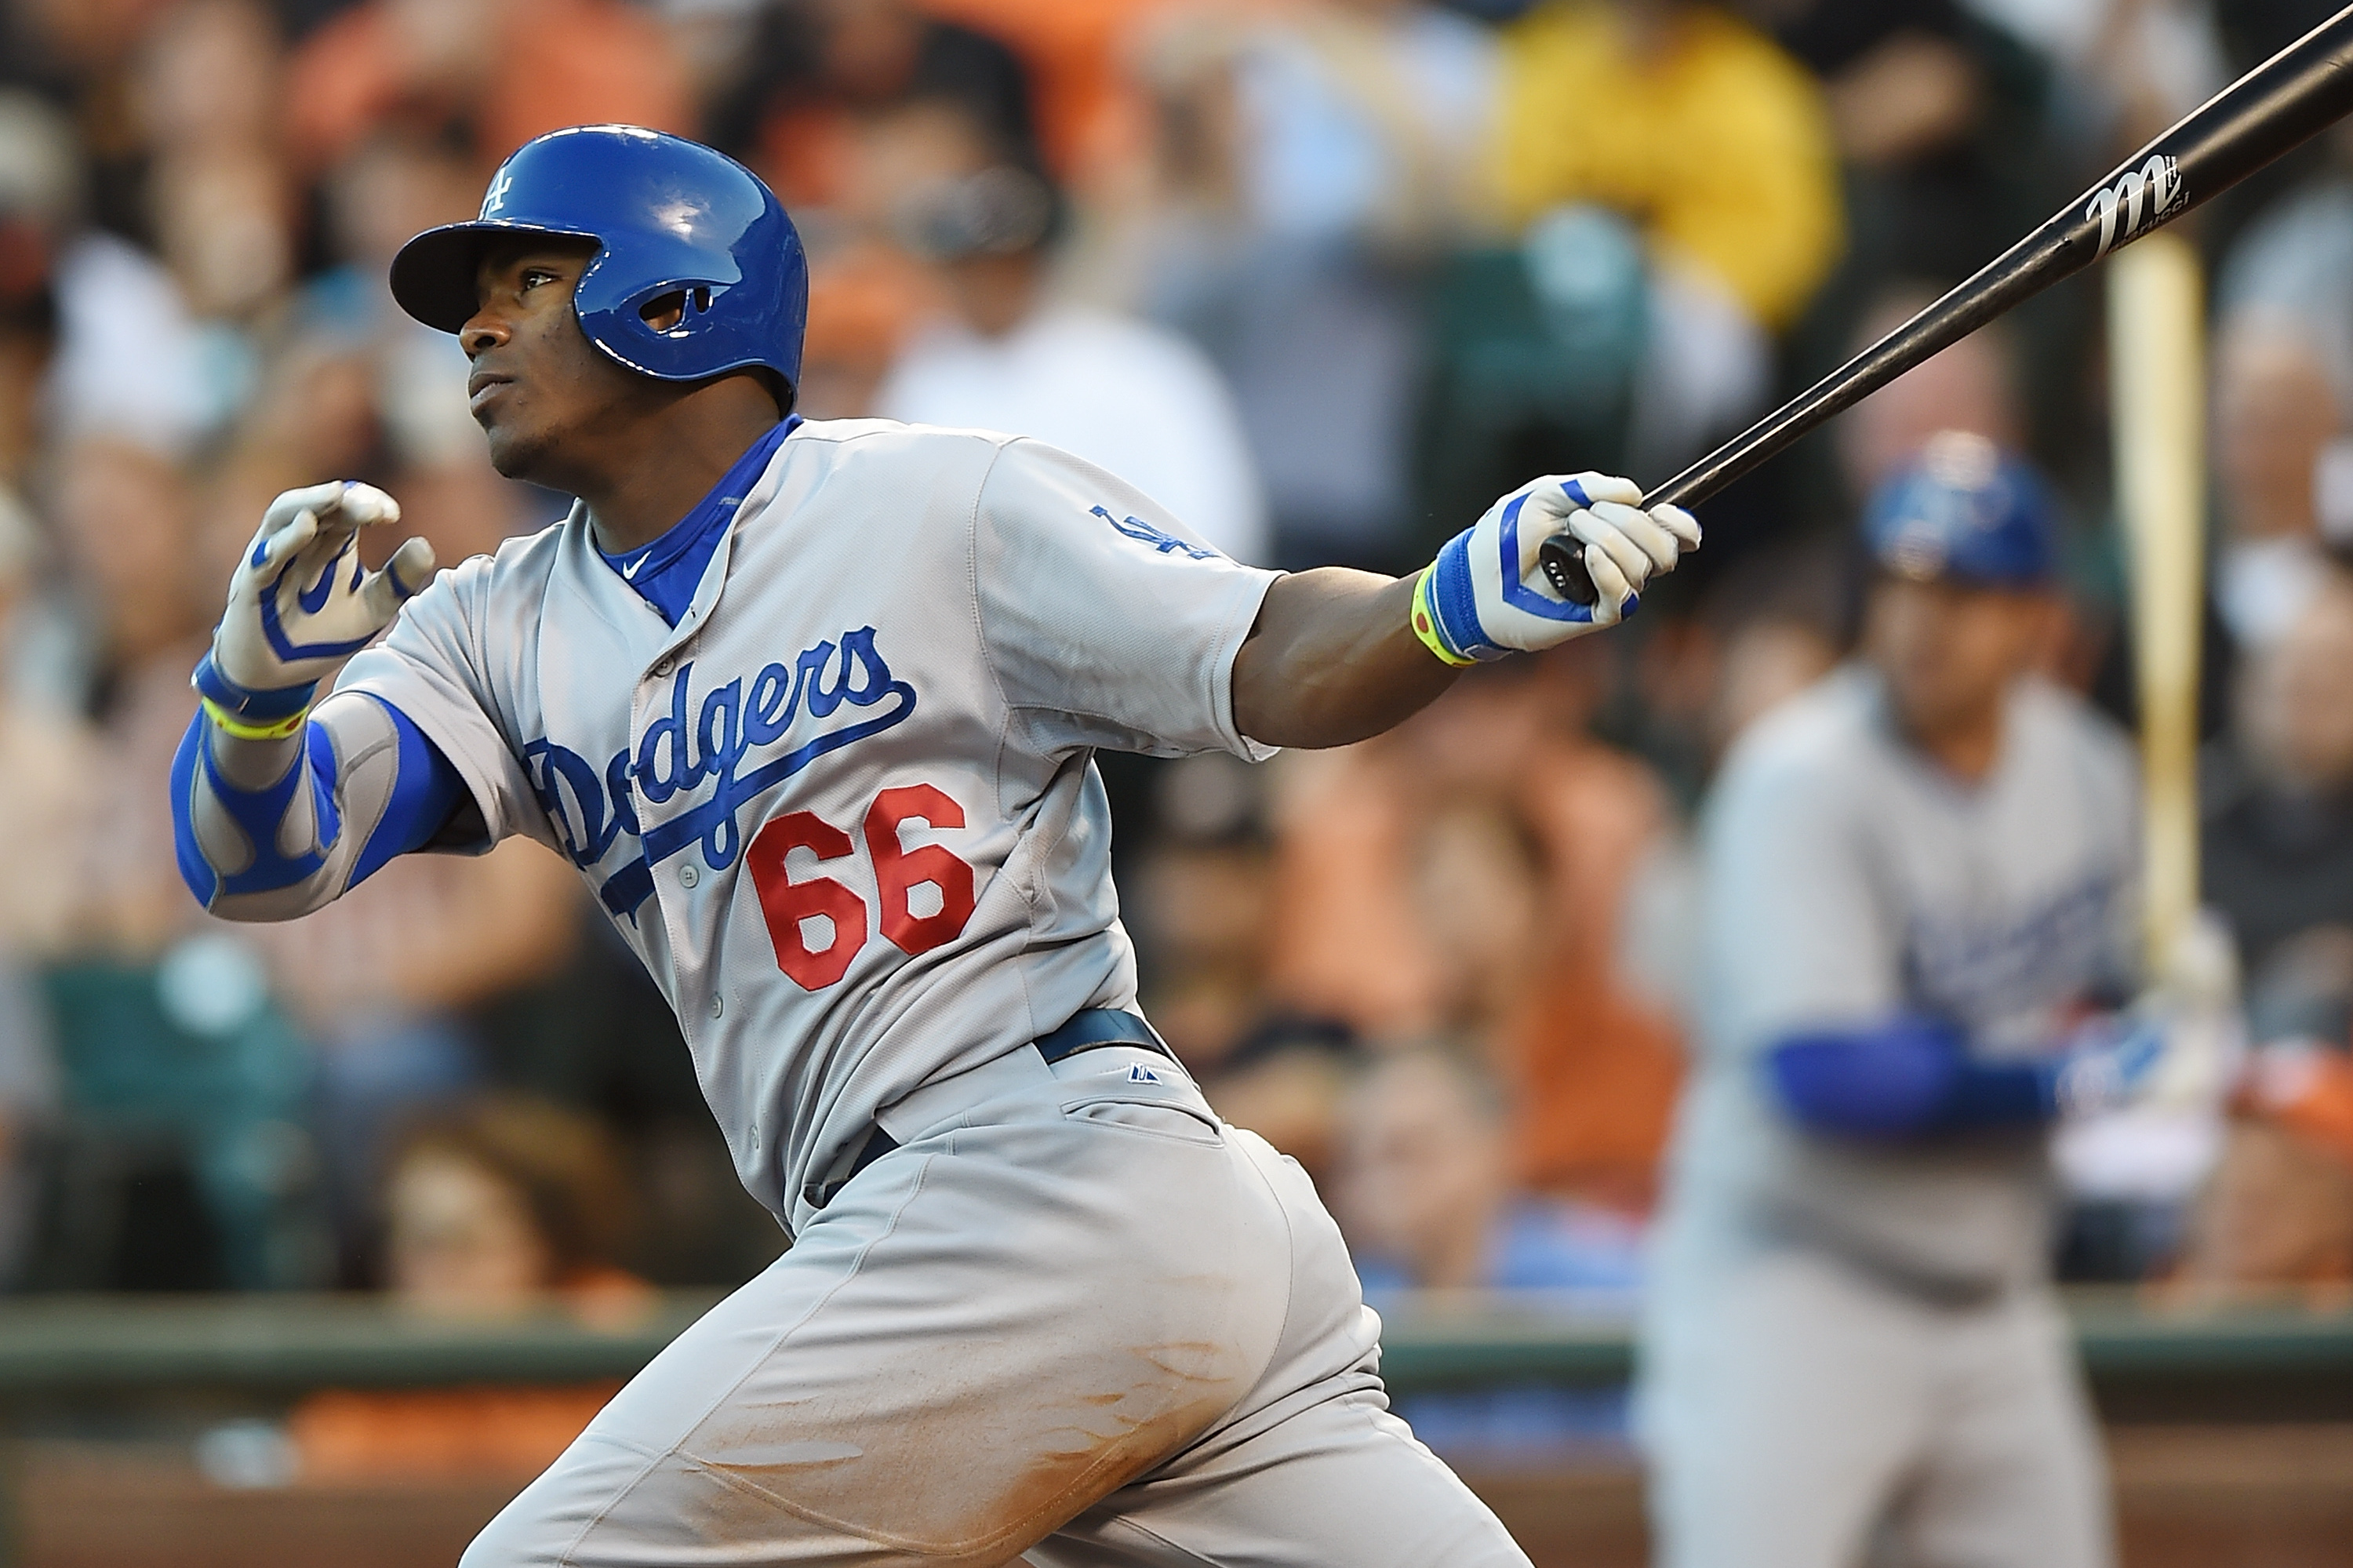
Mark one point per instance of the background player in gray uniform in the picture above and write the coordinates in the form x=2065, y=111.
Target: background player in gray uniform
x=811, y=707
x=1918, y=874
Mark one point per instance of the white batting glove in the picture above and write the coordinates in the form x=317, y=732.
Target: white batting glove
x=2178, y=1046
x=1486, y=595
x=301, y=604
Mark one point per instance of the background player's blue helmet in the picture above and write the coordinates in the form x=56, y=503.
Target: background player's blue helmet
x=674, y=221
x=1965, y=511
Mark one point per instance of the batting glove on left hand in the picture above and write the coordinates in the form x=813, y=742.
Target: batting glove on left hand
x=2178, y=1048
x=1486, y=596
x=300, y=603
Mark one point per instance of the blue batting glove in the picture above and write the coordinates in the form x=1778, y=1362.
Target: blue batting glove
x=1485, y=596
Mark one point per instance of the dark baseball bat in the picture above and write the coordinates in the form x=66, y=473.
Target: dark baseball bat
x=2278, y=106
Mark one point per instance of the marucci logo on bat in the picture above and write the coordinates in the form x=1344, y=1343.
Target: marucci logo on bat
x=2140, y=200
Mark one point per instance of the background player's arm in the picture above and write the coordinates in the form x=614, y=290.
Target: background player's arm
x=1809, y=949
x=276, y=808
x=1336, y=655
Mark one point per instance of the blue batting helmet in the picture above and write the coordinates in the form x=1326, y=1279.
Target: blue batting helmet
x=1964, y=510
x=673, y=220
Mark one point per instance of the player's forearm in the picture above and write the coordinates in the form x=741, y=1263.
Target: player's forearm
x=1332, y=660
x=268, y=828
x=1908, y=1077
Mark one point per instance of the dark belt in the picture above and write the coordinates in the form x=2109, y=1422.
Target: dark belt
x=1088, y=1030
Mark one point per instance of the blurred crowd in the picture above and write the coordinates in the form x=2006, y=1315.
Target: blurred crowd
x=1323, y=276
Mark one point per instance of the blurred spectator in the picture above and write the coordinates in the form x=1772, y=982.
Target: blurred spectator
x=2279, y=1208
x=125, y=519
x=2129, y=67
x=381, y=982
x=496, y=72
x=1468, y=872
x=32, y=152
x=491, y=1209
x=1767, y=660
x=865, y=301
x=1766, y=629
x=813, y=69
x=1078, y=55
x=1938, y=119
x=1426, y=1189
x=1125, y=396
x=1312, y=167
x=184, y=1161
x=1971, y=386
x=2255, y=30
x=2278, y=850
x=83, y=57
x=2303, y=995
x=1286, y=1079
x=48, y=757
x=496, y=1201
x=1426, y=1200
x=1200, y=901
x=2283, y=400
x=597, y=1037
x=211, y=81
x=102, y=317
x=1699, y=129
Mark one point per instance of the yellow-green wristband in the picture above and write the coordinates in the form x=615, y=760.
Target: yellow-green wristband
x=1424, y=620
x=237, y=729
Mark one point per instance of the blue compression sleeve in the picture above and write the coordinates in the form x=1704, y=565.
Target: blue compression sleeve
x=1907, y=1079
x=425, y=790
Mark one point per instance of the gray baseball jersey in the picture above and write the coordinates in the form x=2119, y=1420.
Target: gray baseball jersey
x=1849, y=879
x=845, y=811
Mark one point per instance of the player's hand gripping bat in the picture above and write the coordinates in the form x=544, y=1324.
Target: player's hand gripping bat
x=2280, y=104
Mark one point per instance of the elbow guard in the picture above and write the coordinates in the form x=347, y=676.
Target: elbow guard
x=1909, y=1077
x=364, y=785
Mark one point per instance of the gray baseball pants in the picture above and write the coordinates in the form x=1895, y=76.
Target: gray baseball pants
x=1075, y=1321
x=1798, y=1414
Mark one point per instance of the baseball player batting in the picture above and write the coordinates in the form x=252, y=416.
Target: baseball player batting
x=811, y=707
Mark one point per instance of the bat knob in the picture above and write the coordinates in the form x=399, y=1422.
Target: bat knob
x=1564, y=568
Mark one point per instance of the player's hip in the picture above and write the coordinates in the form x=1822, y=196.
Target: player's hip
x=1066, y=1287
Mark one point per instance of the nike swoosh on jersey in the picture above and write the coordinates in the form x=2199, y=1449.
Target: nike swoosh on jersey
x=629, y=572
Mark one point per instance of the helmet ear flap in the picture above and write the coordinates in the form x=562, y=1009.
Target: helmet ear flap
x=673, y=309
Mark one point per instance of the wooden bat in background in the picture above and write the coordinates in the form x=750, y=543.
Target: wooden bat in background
x=2157, y=394
x=2279, y=105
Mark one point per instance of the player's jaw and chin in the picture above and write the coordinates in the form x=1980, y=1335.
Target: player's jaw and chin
x=539, y=388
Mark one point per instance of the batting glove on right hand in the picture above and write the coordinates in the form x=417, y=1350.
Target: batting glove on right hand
x=300, y=603
x=2177, y=1048
x=1486, y=596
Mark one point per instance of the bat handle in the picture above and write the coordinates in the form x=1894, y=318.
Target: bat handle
x=1564, y=568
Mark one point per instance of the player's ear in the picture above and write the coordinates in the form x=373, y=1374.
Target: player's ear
x=664, y=311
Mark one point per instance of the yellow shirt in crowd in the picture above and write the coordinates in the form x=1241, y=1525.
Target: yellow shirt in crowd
x=1714, y=139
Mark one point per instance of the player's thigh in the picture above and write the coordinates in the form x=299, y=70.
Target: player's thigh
x=1310, y=1469
x=1780, y=1400
x=1339, y=1483
x=2016, y=1478
x=981, y=1335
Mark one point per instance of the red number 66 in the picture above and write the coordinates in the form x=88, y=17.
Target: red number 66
x=791, y=907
